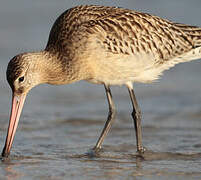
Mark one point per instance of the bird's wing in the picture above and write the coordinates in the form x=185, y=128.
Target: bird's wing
x=124, y=31
x=131, y=32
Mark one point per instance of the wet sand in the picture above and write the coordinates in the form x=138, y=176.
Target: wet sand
x=60, y=125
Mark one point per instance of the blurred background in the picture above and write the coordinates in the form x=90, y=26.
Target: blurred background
x=68, y=119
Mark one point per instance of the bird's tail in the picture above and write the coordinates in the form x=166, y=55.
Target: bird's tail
x=193, y=32
x=194, y=35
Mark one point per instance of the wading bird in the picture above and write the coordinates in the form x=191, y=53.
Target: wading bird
x=103, y=45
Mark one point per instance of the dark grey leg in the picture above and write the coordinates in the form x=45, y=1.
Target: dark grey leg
x=110, y=119
x=136, y=114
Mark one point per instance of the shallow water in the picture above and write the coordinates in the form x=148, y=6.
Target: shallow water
x=60, y=125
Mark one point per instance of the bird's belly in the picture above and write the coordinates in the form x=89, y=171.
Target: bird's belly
x=118, y=70
x=117, y=78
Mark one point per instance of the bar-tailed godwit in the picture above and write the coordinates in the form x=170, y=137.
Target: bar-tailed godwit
x=104, y=45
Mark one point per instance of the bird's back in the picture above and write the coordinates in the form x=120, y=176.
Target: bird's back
x=129, y=43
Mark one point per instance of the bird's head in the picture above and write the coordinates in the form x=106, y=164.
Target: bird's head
x=23, y=73
x=26, y=71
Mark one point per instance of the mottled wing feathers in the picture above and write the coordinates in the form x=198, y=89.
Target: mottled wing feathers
x=126, y=31
x=193, y=32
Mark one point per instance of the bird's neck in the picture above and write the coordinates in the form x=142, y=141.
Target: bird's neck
x=56, y=69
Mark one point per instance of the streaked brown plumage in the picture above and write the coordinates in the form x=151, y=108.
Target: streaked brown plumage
x=106, y=45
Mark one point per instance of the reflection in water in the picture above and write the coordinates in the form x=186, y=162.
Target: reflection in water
x=9, y=168
x=59, y=148
x=56, y=148
x=113, y=162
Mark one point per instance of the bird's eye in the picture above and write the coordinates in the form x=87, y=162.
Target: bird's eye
x=21, y=79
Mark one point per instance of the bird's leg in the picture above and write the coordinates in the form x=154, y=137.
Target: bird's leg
x=136, y=114
x=110, y=119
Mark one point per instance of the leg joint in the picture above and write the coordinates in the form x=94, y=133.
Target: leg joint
x=137, y=114
x=112, y=111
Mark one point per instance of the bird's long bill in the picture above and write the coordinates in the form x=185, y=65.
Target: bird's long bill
x=17, y=105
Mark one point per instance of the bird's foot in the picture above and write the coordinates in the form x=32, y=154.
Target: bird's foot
x=141, y=150
x=94, y=152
